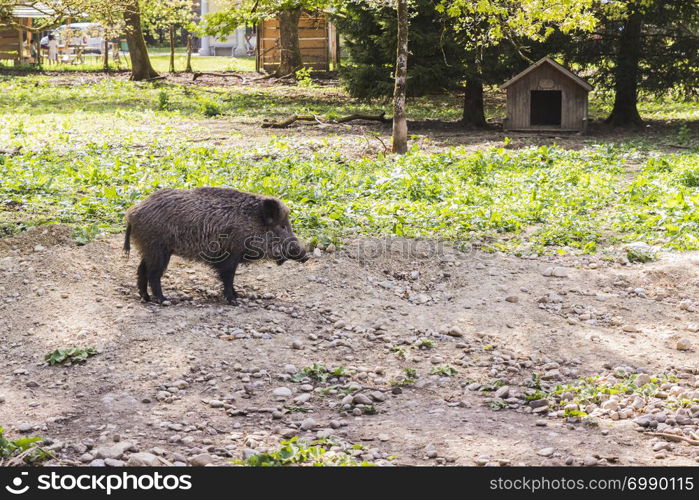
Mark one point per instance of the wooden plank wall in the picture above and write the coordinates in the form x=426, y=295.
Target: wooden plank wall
x=314, y=42
x=9, y=43
x=573, y=105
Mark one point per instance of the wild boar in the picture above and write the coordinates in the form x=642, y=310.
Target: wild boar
x=221, y=227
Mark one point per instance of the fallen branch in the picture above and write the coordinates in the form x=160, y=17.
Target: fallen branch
x=11, y=152
x=197, y=74
x=310, y=118
x=155, y=78
x=675, y=437
x=285, y=123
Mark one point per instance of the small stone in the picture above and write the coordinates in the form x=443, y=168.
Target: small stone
x=512, y=298
x=684, y=344
x=143, y=460
x=308, y=424
x=113, y=462
x=642, y=379
x=23, y=428
x=98, y=462
x=201, y=460
x=282, y=392
x=502, y=392
x=215, y=403
x=545, y=452
x=455, y=331
x=297, y=344
x=361, y=399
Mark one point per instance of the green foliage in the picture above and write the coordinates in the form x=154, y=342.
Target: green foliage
x=11, y=448
x=163, y=101
x=296, y=452
x=73, y=355
x=303, y=78
x=210, y=108
x=319, y=373
x=444, y=370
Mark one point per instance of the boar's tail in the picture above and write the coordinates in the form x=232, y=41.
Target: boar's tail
x=127, y=241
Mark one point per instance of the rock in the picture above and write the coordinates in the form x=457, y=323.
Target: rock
x=86, y=457
x=545, y=452
x=512, y=298
x=308, y=424
x=378, y=396
x=361, y=399
x=455, y=331
x=684, y=344
x=642, y=379
x=297, y=344
x=143, y=460
x=215, y=403
x=590, y=461
x=539, y=403
x=98, y=462
x=23, y=428
x=431, y=451
x=249, y=452
x=661, y=445
x=282, y=392
x=555, y=272
x=113, y=462
x=115, y=451
x=502, y=392
x=201, y=460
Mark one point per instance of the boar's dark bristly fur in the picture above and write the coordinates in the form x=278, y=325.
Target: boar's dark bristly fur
x=219, y=226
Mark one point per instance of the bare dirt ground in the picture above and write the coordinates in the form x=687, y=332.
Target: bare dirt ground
x=202, y=382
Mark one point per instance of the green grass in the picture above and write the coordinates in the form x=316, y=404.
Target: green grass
x=297, y=452
x=93, y=148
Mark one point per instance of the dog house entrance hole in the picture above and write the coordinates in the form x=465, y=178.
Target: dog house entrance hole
x=546, y=107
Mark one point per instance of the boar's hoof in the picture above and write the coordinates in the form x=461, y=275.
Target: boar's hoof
x=232, y=301
x=160, y=300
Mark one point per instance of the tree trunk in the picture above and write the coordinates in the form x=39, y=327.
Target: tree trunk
x=141, y=68
x=400, y=121
x=474, y=113
x=188, y=69
x=172, y=48
x=105, y=60
x=289, y=42
x=625, y=113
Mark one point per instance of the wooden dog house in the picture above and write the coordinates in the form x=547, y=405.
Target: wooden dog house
x=318, y=41
x=546, y=97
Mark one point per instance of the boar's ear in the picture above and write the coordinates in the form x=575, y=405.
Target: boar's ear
x=271, y=211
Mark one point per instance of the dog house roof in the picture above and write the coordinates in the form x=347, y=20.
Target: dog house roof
x=547, y=60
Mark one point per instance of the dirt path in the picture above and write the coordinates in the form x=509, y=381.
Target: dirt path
x=201, y=382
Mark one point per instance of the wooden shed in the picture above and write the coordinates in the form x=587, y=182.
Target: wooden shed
x=546, y=96
x=318, y=41
x=15, y=43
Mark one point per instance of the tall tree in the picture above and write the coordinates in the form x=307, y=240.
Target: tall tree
x=141, y=68
x=238, y=13
x=400, y=121
x=639, y=46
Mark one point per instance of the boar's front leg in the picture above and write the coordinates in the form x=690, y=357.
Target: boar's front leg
x=226, y=271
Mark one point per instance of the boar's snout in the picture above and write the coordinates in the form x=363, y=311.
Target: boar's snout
x=296, y=251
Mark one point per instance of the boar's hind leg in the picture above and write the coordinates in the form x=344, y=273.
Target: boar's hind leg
x=155, y=267
x=226, y=271
x=143, y=281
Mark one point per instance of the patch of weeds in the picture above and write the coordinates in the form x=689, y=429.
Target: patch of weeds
x=26, y=447
x=408, y=379
x=82, y=235
x=400, y=351
x=424, y=344
x=301, y=453
x=210, y=108
x=368, y=409
x=641, y=253
x=297, y=409
x=303, y=78
x=690, y=178
x=72, y=355
x=488, y=347
x=444, y=371
x=163, y=101
x=319, y=373
x=497, y=405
